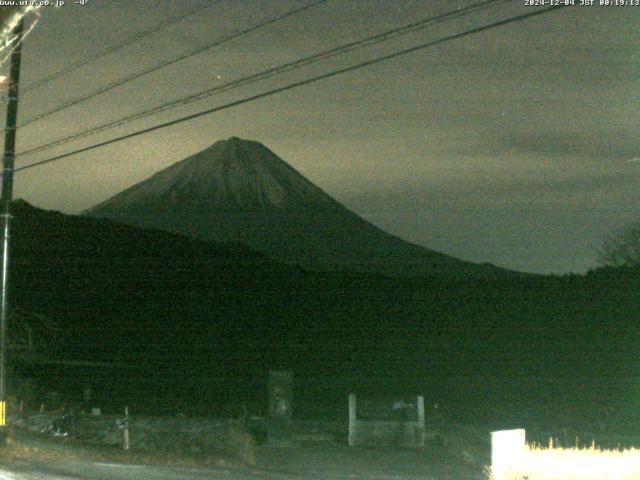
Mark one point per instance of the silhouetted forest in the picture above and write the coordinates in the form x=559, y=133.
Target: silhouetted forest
x=195, y=326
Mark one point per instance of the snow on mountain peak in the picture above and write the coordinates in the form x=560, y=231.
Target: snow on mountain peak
x=233, y=174
x=239, y=190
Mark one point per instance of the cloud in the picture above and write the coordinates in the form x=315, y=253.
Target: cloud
x=592, y=145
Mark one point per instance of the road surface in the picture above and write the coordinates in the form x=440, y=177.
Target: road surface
x=318, y=463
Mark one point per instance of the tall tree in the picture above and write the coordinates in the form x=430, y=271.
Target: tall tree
x=622, y=248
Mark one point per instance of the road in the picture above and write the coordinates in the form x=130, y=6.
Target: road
x=73, y=470
x=318, y=463
x=82, y=470
x=36, y=458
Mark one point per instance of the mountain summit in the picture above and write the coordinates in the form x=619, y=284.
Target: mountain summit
x=239, y=190
x=232, y=175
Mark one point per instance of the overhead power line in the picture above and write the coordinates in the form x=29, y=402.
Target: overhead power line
x=269, y=73
x=124, y=43
x=300, y=83
x=12, y=43
x=135, y=76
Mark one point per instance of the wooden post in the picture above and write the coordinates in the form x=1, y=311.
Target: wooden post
x=125, y=432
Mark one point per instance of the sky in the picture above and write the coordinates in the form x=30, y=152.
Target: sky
x=513, y=146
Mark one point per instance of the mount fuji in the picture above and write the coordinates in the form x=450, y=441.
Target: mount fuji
x=239, y=190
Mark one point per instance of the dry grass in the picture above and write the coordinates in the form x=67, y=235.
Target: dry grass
x=236, y=448
x=538, y=463
x=14, y=452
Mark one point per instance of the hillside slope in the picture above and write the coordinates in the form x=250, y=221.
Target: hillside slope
x=238, y=190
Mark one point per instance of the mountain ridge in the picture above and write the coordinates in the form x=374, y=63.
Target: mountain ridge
x=239, y=190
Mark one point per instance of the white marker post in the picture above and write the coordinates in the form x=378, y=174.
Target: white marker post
x=352, y=418
x=125, y=432
x=507, y=449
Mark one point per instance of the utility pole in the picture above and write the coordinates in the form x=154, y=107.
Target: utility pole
x=5, y=207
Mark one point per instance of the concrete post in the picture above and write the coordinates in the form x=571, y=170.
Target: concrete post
x=420, y=431
x=352, y=418
x=507, y=449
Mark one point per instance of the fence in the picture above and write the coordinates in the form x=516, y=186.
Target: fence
x=407, y=432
